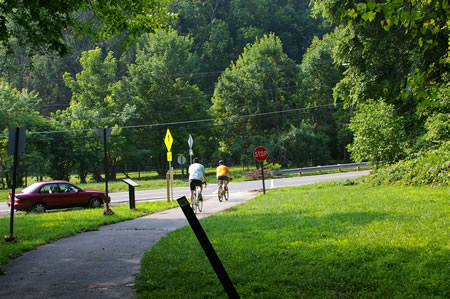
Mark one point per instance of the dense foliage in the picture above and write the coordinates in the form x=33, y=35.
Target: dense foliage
x=233, y=74
x=40, y=25
x=431, y=167
x=397, y=60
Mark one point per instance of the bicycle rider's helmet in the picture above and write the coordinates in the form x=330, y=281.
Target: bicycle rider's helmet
x=221, y=162
x=196, y=160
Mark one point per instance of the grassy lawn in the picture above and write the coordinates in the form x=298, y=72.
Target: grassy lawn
x=323, y=241
x=34, y=229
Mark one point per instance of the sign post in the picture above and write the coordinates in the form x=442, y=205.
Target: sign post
x=104, y=135
x=260, y=154
x=208, y=248
x=132, y=196
x=190, y=143
x=181, y=160
x=168, y=140
x=16, y=147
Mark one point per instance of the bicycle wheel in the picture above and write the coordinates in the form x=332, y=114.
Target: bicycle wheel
x=219, y=191
x=199, y=203
x=226, y=193
x=194, y=200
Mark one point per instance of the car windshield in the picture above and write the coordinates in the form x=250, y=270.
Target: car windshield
x=31, y=188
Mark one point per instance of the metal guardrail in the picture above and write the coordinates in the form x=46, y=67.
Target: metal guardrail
x=318, y=168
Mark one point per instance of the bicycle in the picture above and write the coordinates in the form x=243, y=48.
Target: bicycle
x=222, y=192
x=197, y=204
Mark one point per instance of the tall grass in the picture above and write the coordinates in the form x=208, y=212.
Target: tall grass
x=318, y=241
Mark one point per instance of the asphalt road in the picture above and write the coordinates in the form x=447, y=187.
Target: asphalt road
x=161, y=194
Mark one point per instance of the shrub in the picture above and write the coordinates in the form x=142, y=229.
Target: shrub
x=431, y=167
x=272, y=166
x=378, y=133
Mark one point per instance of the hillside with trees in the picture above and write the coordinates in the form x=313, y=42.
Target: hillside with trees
x=325, y=83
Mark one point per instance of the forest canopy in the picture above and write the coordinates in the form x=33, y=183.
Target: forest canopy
x=331, y=82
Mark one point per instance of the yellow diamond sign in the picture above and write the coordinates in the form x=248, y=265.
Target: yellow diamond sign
x=168, y=140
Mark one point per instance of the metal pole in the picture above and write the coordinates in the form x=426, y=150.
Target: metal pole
x=132, y=197
x=168, y=185
x=262, y=173
x=13, y=192
x=208, y=248
x=171, y=180
x=106, y=170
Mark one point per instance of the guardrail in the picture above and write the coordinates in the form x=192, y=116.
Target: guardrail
x=318, y=168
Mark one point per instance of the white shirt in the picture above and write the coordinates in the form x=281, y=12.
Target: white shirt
x=196, y=171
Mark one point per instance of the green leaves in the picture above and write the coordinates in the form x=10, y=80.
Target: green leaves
x=262, y=79
x=369, y=16
x=91, y=106
x=40, y=25
x=378, y=134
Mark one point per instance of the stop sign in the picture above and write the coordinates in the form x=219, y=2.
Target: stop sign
x=260, y=153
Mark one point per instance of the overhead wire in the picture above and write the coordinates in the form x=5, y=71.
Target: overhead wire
x=233, y=120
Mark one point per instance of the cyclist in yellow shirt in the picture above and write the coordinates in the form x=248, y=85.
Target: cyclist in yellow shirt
x=222, y=173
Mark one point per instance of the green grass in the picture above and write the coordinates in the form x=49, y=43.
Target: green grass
x=32, y=229
x=319, y=241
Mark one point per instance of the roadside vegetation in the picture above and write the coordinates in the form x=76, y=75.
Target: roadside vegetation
x=431, y=167
x=33, y=229
x=327, y=240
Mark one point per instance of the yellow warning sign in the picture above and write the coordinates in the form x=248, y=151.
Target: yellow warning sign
x=169, y=156
x=168, y=141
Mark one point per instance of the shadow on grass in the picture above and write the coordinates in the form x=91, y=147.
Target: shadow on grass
x=294, y=255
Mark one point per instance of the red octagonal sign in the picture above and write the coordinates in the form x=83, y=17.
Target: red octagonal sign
x=260, y=153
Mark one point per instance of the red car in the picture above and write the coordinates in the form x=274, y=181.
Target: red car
x=42, y=196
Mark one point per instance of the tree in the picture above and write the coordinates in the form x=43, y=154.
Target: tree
x=319, y=75
x=221, y=29
x=378, y=134
x=46, y=78
x=40, y=25
x=263, y=79
x=158, y=84
x=18, y=109
x=399, y=45
x=92, y=105
x=95, y=105
x=303, y=145
x=396, y=51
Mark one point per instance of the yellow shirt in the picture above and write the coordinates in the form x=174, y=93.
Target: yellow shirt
x=222, y=170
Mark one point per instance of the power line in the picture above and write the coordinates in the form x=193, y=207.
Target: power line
x=185, y=75
x=231, y=118
x=191, y=97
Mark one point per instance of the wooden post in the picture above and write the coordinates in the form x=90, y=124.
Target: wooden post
x=171, y=182
x=168, y=185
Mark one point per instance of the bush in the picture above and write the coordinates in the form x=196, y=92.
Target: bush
x=272, y=166
x=429, y=168
x=378, y=133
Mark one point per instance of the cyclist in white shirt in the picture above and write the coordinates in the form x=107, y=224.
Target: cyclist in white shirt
x=197, y=176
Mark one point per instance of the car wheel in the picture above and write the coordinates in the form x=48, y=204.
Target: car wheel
x=95, y=202
x=39, y=207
